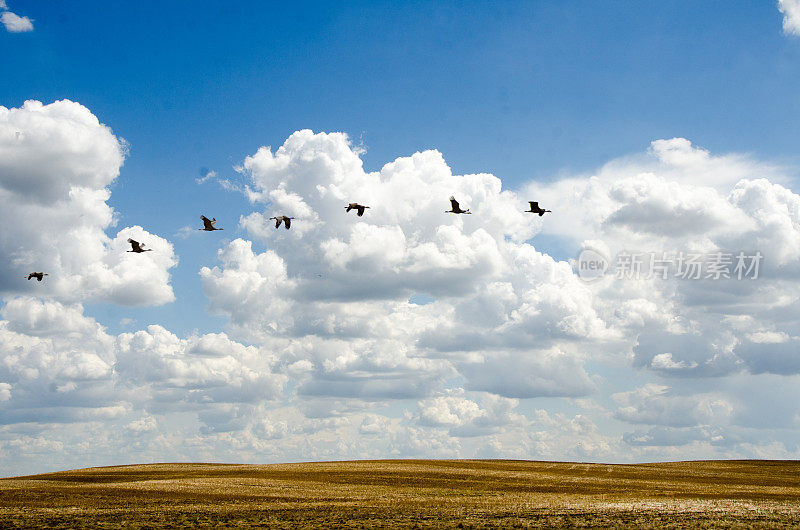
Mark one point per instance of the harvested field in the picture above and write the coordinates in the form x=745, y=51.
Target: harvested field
x=409, y=493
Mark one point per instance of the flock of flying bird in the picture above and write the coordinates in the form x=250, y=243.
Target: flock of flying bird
x=209, y=225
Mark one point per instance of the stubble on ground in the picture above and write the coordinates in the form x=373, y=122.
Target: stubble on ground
x=410, y=493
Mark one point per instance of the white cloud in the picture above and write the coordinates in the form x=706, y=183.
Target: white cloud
x=529, y=375
x=518, y=325
x=142, y=425
x=56, y=163
x=82, y=152
x=464, y=417
x=57, y=361
x=492, y=290
x=791, y=16
x=15, y=23
x=205, y=369
x=206, y=174
x=768, y=337
x=677, y=199
x=58, y=366
x=664, y=361
x=324, y=355
x=655, y=405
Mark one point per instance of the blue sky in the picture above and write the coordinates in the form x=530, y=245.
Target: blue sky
x=522, y=90
x=538, y=94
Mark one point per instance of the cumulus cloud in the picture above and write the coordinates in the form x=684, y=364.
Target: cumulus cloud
x=81, y=151
x=56, y=163
x=535, y=374
x=142, y=425
x=675, y=189
x=328, y=354
x=680, y=200
x=340, y=285
x=464, y=417
x=205, y=369
x=59, y=365
x=653, y=404
x=503, y=318
x=791, y=16
x=15, y=23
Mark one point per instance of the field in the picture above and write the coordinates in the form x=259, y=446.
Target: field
x=409, y=493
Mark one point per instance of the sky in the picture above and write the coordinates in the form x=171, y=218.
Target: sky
x=662, y=135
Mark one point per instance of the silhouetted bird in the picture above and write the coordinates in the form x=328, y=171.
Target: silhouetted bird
x=283, y=219
x=138, y=247
x=455, y=207
x=535, y=208
x=37, y=275
x=356, y=206
x=208, y=224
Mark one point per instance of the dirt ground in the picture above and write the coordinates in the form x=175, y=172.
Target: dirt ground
x=411, y=494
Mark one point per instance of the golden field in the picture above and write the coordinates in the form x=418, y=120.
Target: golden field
x=409, y=493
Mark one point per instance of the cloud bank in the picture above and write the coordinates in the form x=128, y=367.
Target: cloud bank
x=408, y=331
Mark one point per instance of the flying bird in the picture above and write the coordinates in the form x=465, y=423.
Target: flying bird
x=138, y=247
x=208, y=224
x=455, y=208
x=283, y=219
x=535, y=208
x=37, y=275
x=356, y=206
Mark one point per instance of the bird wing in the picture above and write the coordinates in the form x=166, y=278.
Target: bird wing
x=534, y=205
x=207, y=222
x=134, y=244
x=288, y=222
x=277, y=223
x=454, y=204
x=349, y=207
x=360, y=211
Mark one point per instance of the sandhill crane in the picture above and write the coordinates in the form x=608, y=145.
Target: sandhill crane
x=356, y=206
x=37, y=275
x=283, y=219
x=535, y=208
x=208, y=224
x=455, y=208
x=138, y=247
